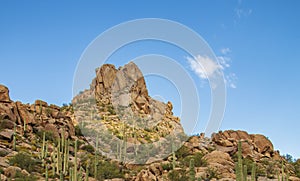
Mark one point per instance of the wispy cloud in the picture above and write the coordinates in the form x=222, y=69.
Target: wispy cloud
x=231, y=80
x=203, y=66
x=206, y=68
x=224, y=61
x=240, y=12
x=225, y=51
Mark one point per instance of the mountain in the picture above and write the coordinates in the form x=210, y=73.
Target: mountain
x=116, y=131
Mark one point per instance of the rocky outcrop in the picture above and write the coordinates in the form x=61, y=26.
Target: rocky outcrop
x=221, y=162
x=105, y=77
x=36, y=117
x=119, y=95
x=253, y=145
x=4, y=94
x=113, y=95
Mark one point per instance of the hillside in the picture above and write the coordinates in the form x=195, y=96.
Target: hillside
x=116, y=131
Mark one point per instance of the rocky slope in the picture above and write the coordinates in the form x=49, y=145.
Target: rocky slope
x=40, y=141
x=118, y=104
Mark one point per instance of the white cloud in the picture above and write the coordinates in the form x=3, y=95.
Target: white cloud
x=225, y=51
x=231, y=80
x=204, y=67
x=224, y=61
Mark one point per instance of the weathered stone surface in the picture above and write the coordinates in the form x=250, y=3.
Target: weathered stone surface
x=4, y=162
x=3, y=177
x=222, y=162
x=53, y=129
x=8, y=111
x=11, y=171
x=41, y=103
x=262, y=143
x=156, y=169
x=247, y=149
x=25, y=115
x=6, y=134
x=293, y=178
x=105, y=77
x=6, y=123
x=4, y=94
x=145, y=175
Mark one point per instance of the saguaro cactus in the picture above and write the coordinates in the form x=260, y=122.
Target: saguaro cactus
x=14, y=138
x=173, y=156
x=192, y=170
x=241, y=170
x=239, y=164
x=75, y=164
x=253, y=172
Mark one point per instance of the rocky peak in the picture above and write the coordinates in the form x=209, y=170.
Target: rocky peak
x=4, y=94
x=119, y=104
x=123, y=86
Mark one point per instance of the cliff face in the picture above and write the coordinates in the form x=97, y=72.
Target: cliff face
x=115, y=125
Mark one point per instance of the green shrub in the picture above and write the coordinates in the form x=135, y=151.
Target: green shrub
x=212, y=173
x=182, y=152
x=78, y=131
x=167, y=166
x=20, y=177
x=198, y=160
x=107, y=170
x=88, y=148
x=48, y=136
x=178, y=175
x=24, y=161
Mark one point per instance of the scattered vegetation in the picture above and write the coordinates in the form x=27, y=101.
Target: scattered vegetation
x=178, y=175
x=24, y=161
x=107, y=170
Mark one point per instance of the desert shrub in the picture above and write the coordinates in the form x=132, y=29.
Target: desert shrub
x=212, y=173
x=248, y=162
x=78, y=131
x=260, y=170
x=297, y=168
x=198, y=160
x=20, y=177
x=88, y=148
x=167, y=166
x=111, y=110
x=178, y=175
x=107, y=170
x=182, y=152
x=3, y=153
x=24, y=161
x=49, y=136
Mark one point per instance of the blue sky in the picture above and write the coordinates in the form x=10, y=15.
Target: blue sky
x=42, y=41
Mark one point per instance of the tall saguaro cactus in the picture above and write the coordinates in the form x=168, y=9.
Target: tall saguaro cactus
x=192, y=170
x=253, y=172
x=14, y=138
x=239, y=165
x=173, y=156
x=75, y=164
x=241, y=170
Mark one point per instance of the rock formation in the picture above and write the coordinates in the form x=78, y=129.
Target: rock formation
x=113, y=95
x=125, y=110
